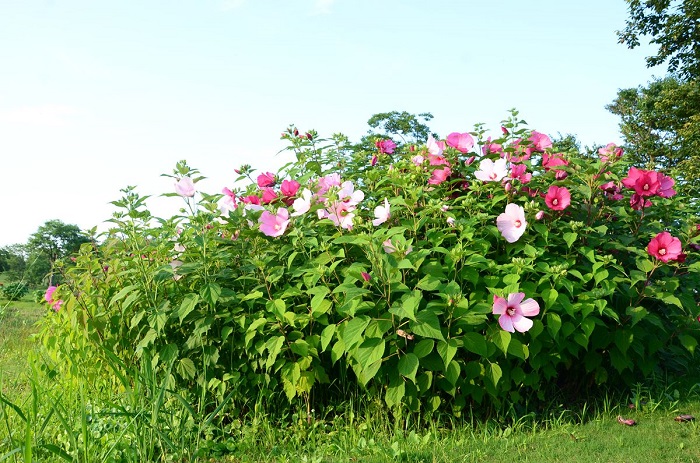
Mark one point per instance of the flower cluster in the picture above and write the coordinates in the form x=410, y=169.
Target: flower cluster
x=49, y=297
x=646, y=183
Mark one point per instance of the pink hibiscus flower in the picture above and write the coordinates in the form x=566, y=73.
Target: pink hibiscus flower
x=666, y=186
x=610, y=152
x=463, y=142
x=513, y=311
x=512, y=223
x=439, y=175
x=557, y=198
x=185, y=187
x=274, y=225
x=665, y=247
x=643, y=182
x=48, y=297
x=382, y=213
x=267, y=179
x=490, y=171
x=385, y=146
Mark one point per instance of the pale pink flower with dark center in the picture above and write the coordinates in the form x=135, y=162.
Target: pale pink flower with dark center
x=512, y=223
x=302, y=204
x=463, y=142
x=557, y=198
x=274, y=225
x=185, y=187
x=490, y=171
x=382, y=213
x=665, y=247
x=434, y=147
x=325, y=183
x=513, y=311
x=417, y=160
x=612, y=191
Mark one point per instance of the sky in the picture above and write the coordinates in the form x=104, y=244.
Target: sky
x=99, y=95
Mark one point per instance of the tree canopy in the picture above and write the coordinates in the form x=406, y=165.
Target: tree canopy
x=673, y=25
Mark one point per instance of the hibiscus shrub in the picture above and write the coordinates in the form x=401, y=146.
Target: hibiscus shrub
x=441, y=275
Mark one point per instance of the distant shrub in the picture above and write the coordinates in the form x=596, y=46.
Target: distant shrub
x=15, y=291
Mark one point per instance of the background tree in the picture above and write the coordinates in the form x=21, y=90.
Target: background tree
x=660, y=122
x=661, y=126
x=13, y=261
x=673, y=25
x=52, y=241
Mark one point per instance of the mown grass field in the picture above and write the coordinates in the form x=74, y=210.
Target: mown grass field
x=589, y=433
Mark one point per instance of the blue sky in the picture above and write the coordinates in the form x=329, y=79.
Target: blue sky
x=99, y=95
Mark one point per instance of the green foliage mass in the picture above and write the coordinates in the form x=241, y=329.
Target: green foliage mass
x=225, y=314
x=673, y=25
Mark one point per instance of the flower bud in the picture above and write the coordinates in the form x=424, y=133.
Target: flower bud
x=561, y=175
x=539, y=215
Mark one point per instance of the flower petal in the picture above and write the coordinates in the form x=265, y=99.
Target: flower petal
x=529, y=307
x=521, y=323
x=506, y=323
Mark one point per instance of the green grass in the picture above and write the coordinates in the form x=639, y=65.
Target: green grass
x=364, y=433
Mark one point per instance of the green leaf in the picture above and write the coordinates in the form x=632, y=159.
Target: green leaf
x=502, y=340
x=395, y=393
x=518, y=349
x=570, y=238
x=351, y=331
x=407, y=306
x=553, y=324
x=475, y=342
x=644, y=264
x=637, y=314
x=274, y=347
x=689, y=342
x=427, y=325
x=252, y=295
x=671, y=299
x=550, y=297
x=452, y=372
x=408, y=366
x=493, y=373
x=424, y=347
x=210, y=293
x=447, y=350
x=186, y=369
x=371, y=350
x=327, y=336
